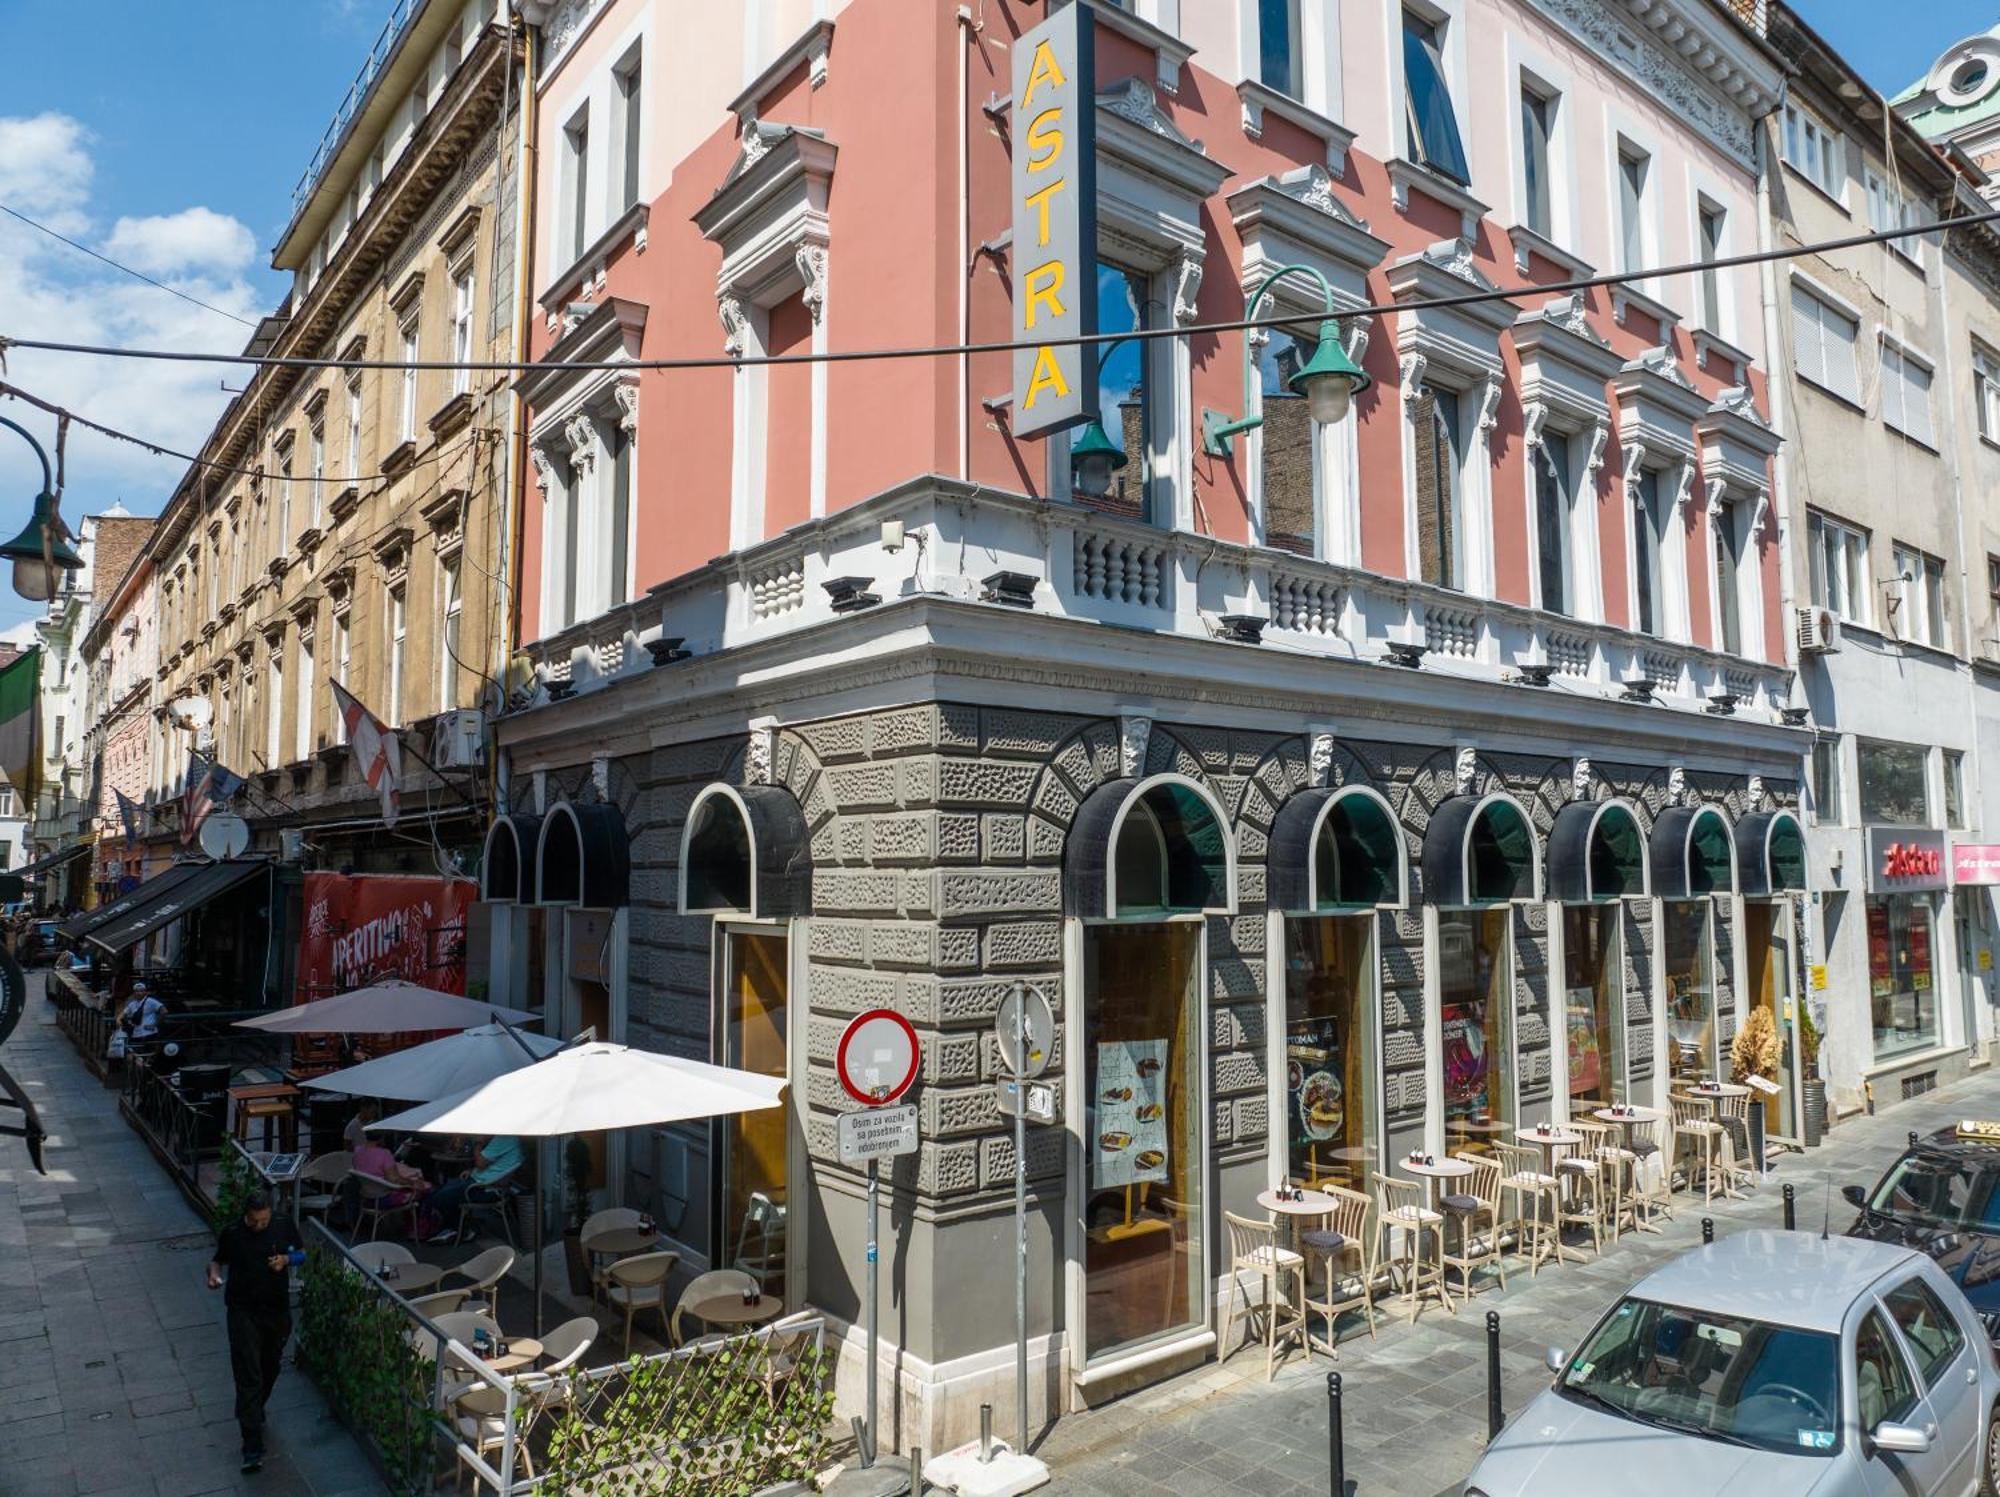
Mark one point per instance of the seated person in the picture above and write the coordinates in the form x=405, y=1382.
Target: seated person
x=493, y=1164
x=372, y=1158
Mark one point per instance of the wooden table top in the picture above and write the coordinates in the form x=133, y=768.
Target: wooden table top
x=729, y=1309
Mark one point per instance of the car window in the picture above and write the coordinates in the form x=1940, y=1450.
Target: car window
x=1883, y=1388
x=1928, y=1326
x=1940, y=1191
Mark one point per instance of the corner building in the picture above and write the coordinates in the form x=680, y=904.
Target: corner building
x=1379, y=785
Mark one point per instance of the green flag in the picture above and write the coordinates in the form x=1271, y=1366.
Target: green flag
x=20, y=680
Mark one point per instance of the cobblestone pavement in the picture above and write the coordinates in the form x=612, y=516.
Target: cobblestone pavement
x=1415, y=1397
x=114, y=1369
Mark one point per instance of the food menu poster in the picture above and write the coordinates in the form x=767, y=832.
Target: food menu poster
x=1880, y=981
x=1131, y=1113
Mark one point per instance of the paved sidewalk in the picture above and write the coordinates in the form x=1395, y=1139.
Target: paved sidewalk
x=114, y=1369
x=1415, y=1397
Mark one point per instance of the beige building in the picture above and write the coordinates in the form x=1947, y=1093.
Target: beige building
x=347, y=524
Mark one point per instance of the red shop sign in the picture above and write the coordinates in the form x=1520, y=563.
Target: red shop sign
x=1910, y=860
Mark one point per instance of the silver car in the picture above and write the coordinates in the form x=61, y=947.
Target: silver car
x=1778, y=1363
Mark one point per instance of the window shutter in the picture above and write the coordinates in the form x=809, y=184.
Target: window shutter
x=1808, y=347
x=1917, y=403
x=1838, y=333
x=1892, y=389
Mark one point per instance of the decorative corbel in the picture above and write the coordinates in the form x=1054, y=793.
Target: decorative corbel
x=1357, y=340
x=626, y=393
x=1684, y=486
x=1187, y=286
x=811, y=261
x=1465, y=769
x=545, y=467
x=761, y=756
x=735, y=325
x=1753, y=794
x=1534, y=416
x=1593, y=464
x=1489, y=405
x=582, y=442
x=1677, y=785
x=1713, y=505
x=1579, y=779
x=1760, y=516
x=1413, y=366
x=1134, y=735
x=1319, y=758
x=1634, y=454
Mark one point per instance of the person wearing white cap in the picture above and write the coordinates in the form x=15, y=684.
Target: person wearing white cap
x=141, y=1015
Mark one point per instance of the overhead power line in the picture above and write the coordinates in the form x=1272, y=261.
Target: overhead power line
x=128, y=270
x=957, y=350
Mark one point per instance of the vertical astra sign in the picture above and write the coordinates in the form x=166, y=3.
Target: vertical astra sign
x=1055, y=221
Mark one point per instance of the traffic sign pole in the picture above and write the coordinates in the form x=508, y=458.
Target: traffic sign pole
x=1021, y=1216
x=874, y=1206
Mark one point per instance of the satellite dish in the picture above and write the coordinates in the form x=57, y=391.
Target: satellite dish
x=224, y=835
x=190, y=712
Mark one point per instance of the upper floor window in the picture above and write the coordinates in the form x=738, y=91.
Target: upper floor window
x=1889, y=209
x=353, y=473
x=1823, y=345
x=1552, y=521
x=1815, y=151
x=1906, y=395
x=1649, y=533
x=1954, y=788
x=406, y=406
x=343, y=661
x=1709, y=220
x=627, y=85
x=398, y=635
x=1826, y=789
x=1730, y=544
x=302, y=743
x=1986, y=391
x=574, y=204
x=1289, y=444
x=1538, y=116
x=316, y=463
x=1920, y=609
x=1430, y=120
x=1125, y=394
x=461, y=327
x=1440, y=488
x=451, y=611
x=1839, y=557
x=1894, y=783
x=1279, y=54
x=284, y=540
x=6, y=800
x=1635, y=168
x=274, y=708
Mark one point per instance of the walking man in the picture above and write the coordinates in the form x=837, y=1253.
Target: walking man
x=255, y=1257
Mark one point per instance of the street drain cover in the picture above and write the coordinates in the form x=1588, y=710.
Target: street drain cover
x=188, y=1243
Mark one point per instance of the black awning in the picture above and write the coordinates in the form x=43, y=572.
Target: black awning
x=1770, y=854
x=507, y=865
x=584, y=857
x=1596, y=851
x=207, y=882
x=1145, y=849
x=79, y=926
x=1334, y=849
x=1478, y=850
x=745, y=851
x=53, y=860
x=1691, y=853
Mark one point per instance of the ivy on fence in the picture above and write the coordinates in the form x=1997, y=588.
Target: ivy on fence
x=233, y=1184
x=354, y=1344
x=725, y=1419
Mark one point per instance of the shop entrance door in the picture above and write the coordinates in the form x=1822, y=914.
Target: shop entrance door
x=1767, y=958
x=1594, y=1005
x=752, y=1211
x=1330, y=1077
x=1975, y=961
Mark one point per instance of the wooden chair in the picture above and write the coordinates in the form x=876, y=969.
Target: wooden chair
x=376, y=1206
x=1347, y=1267
x=706, y=1286
x=610, y=1219
x=1733, y=1114
x=1473, y=1214
x=1535, y=1203
x=1697, y=1134
x=1253, y=1249
x=326, y=1170
x=640, y=1283
x=1652, y=1174
x=1400, y=1208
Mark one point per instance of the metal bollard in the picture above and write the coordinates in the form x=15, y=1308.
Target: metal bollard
x=1336, y=1455
x=1913, y=1138
x=1791, y=1210
x=1708, y=1229
x=986, y=1432
x=916, y=1471
x=1494, y=1417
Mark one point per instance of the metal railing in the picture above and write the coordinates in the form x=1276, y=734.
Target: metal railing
x=400, y=16
x=182, y=1132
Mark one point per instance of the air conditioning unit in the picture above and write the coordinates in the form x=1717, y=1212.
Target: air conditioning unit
x=1819, y=631
x=460, y=740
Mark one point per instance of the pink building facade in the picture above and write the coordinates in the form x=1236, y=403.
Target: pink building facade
x=1372, y=785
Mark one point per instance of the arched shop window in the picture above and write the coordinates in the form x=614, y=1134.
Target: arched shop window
x=1336, y=856
x=584, y=857
x=1770, y=854
x=1144, y=860
x=1479, y=851
x=507, y=866
x=745, y=851
x=1692, y=853
x=1692, y=858
x=1597, y=859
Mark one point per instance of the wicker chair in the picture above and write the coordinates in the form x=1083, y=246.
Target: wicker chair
x=1472, y=1215
x=1253, y=1249
x=376, y=1205
x=1420, y=1251
x=1535, y=1205
x=1347, y=1267
x=640, y=1283
x=325, y=1171
x=611, y=1219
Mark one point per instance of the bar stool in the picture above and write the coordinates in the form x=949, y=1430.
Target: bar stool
x=1583, y=1173
x=1696, y=1131
x=1253, y=1249
x=1347, y=1272
x=1466, y=1210
x=1422, y=1257
x=1534, y=1189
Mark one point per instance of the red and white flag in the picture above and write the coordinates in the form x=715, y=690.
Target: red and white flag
x=376, y=750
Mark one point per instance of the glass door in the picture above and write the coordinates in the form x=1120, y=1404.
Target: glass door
x=1974, y=944
x=1594, y=1005
x=1329, y=1132
x=1475, y=1009
x=753, y=1205
x=1688, y=961
x=1768, y=954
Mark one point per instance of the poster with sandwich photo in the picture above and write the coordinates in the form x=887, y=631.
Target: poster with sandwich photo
x=1131, y=1108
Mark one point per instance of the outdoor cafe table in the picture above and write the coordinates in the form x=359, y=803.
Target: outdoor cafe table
x=1442, y=1168
x=729, y=1309
x=1556, y=1138
x=521, y=1351
x=410, y=1278
x=1310, y=1204
x=622, y=1240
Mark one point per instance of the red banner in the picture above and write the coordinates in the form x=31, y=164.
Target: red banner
x=364, y=927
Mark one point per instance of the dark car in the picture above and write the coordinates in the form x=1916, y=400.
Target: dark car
x=1943, y=1196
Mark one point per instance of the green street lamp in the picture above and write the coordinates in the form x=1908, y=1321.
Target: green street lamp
x=41, y=553
x=1329, y=380
x=1094, y=457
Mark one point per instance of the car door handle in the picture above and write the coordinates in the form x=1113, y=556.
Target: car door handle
x=1972, y=1374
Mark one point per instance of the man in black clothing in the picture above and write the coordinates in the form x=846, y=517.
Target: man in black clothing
x=255, y=1256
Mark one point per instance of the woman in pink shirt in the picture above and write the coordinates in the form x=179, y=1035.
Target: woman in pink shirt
x=373, y=1159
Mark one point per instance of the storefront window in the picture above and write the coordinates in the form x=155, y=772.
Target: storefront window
x=1687, y=956
x=750, y=1229
x=1893, y=789
x=1329, y=1090
x=1143, y=1262
x=1475, y=989
x=1900, y=987
x=1593, y=1000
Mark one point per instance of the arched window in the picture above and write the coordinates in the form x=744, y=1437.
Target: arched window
x=1597, y=851
x=1142, y=849
x=507, y=866
x=1479, y=851
x=1335, y=849
x=584, y=857
x=1692, y=853
x=1770, y=854
x=745, y=851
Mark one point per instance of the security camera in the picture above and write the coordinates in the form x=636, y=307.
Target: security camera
x=892, y=535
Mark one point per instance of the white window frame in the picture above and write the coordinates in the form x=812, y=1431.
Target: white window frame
x=628, y=144
x=1951, y=776
x=1671, y=480
x=1449, y=15
x=316, y=457
x=1907, y=379
x=464, y=295
x=343, y=662
x=274, y=705
x=397, y=622
x=282, y=451
x=354, y=410
x=1837, y=320
x=1856, y=605
x=1986, y=391
x=1923, y=616
x=302, y=735
x=573, y=206
x=408, y=333
x=1719, y=318
x=451, y=611
x=1533, y=71
x=1891, y=208
x=1815, y=151
x=1646, y=254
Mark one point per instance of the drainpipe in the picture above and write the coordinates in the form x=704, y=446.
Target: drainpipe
x=966, y=30
x=517, y=465
x=1778, y=372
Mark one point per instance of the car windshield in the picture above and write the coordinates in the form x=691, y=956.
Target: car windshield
x=1938, y=1190
x=1719, y=1377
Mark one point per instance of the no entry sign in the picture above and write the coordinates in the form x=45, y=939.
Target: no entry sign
x=877, y=1058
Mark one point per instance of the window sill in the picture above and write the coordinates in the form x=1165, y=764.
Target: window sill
x=1260, y=99
x=629, y=224
x=1709, y=344
x=1913, y=439
x=344, y=503
x=402, y=457
x=1626, y=299
x=1993, y=442
x=1813, y=187
x=1529, y=241
x=452, y=416
x=1405, y=175
x=1831, y=394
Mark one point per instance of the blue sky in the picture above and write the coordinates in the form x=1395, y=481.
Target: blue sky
x=171, y=135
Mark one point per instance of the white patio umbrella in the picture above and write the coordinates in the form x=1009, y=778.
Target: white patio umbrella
x=441, y=1068
x=587, y=1088
x=391, y=1007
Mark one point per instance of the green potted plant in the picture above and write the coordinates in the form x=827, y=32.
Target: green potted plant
x=1812, y=1086
x=576, y=1211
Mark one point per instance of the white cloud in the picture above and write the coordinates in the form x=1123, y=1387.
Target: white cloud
x=53, y=292
x=192, y=239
